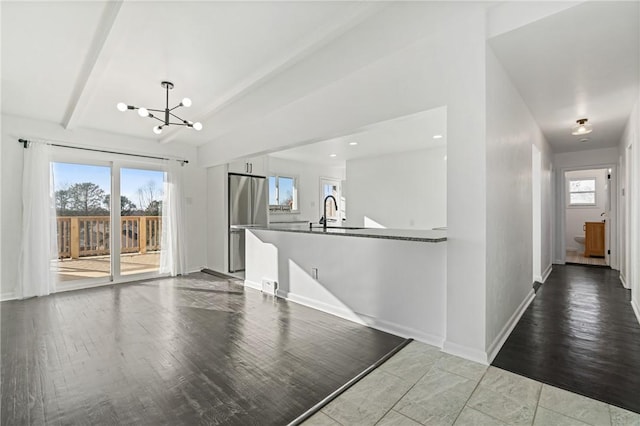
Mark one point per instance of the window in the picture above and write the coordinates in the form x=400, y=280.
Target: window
x=582, y=192
x=283, y=194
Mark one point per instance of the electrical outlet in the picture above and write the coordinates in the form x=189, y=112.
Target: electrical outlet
x=314, y=273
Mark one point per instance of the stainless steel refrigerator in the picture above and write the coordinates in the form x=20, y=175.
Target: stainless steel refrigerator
x=248, y=206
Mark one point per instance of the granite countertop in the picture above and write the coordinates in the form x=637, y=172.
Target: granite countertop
x=423, y=235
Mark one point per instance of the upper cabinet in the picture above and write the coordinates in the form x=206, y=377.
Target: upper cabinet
x=249, y=166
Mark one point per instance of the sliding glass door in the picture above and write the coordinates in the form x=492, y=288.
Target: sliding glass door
x=83, y=219
x=109, y=222
x=141, y=196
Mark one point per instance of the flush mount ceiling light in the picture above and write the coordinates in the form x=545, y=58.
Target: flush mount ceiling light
x=581, y=127
x=144, y=112
x=353, y=143
x=437, y=136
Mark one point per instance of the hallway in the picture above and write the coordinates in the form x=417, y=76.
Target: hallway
x=579, y=334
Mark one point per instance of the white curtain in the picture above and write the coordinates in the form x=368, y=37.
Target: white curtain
x=39, y=245
x=172, y=255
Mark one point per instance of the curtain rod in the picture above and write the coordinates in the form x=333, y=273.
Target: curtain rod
x=26, y=143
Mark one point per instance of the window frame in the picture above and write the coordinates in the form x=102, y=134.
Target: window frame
x=594, y=192
x=278, y=208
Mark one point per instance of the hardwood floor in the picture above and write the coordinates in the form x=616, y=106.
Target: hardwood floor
x=579, y=334
x=191, y=350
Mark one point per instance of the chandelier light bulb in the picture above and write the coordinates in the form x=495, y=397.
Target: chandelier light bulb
x=143, y=112
x=197, y=125
x=157, y=130
x=122, y=106
x=186, y=102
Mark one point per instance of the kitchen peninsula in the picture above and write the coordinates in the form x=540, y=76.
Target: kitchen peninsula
x=392, y=280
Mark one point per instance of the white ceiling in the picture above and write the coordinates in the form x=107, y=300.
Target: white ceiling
x=409, y=133
x=581, y=62
x=70, y=62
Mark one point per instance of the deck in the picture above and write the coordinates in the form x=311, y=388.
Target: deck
x=100, y=266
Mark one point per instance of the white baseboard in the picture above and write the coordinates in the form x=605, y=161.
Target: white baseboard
x=497, y=343
x=636, y=309
x=623, y=280
x=558, y=262
x=251, y=284
x=376, y=323
x=546, y=273
x=8, y=295
x=465, y=352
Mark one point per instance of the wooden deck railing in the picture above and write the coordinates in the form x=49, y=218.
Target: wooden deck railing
x=80, y=236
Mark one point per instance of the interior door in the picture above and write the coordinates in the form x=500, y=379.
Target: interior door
x=607, y=221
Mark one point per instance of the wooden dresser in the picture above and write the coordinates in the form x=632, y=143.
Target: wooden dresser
x=594, y=239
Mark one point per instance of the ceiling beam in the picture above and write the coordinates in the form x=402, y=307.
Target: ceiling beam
x=304, y=48
x=94, y=63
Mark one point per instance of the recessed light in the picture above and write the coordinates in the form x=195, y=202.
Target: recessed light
x=437, y=136
x=353, y=143
x=333, y=155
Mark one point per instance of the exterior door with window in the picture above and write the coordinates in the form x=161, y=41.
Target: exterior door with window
x=331, y=187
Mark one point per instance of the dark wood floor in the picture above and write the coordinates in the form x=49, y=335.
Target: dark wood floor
x=192, y=350
x=579, y=334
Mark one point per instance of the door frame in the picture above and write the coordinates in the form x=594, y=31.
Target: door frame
x=328, y=180
x=115, y=165
x=561, y=212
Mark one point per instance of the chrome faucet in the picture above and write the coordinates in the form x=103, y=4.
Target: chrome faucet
x=324, y=211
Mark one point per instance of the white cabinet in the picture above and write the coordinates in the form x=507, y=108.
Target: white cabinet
x=249, y=166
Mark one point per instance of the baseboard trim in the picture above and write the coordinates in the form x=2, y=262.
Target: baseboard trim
x=8, y=295
x=558, y=262
x=546, y=273
x=495, y=347
x=465, y=352
x=623, y=280
x=636, y=309
x=251, y=284
x=376, y=323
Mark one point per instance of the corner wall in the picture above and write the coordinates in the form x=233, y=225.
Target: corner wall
x=629, y=150
x=511, y=131
x=443, y=67
x=14, y=128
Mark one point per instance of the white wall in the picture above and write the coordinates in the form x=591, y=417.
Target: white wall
x=406, y=190
x=394, y=285
x=14, y=128
x=442, y=66
x=217, y=223
x=309, y=175
x=578, y=215
x=629, y=214
x=511, y=131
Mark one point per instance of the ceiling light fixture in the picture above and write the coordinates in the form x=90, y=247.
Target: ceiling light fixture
x=437, y=136
x=353, y=143
x=144, y=112
x=581, y=127
x=333, y=155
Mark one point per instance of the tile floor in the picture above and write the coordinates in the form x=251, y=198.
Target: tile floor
x=423, y=386
x=573, y=256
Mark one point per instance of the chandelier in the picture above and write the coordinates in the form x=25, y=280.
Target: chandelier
x=166, y=112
